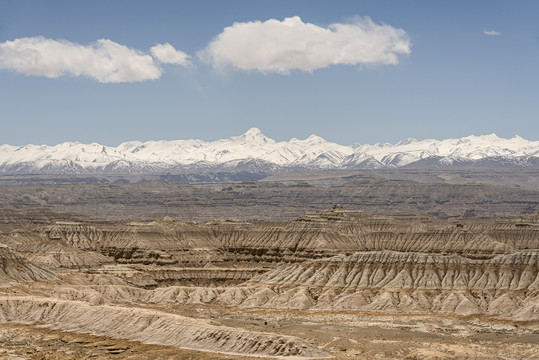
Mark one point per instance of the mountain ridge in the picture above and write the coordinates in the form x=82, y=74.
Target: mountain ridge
x=253, y=151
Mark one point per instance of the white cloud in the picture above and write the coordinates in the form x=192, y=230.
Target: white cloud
x=275, y=46
x=167, y=54
x=491, y=32
x=105, y=60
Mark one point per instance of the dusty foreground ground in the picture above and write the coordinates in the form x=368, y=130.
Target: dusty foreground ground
x=332, y=284
x=344, y=335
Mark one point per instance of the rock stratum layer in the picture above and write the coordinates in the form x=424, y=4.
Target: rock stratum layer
x=14, y=268
x=161, y=282
x=505, y=286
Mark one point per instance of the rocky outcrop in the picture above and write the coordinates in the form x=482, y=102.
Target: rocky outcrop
x=15, y=268
x=317, y=235
x=52, y=252
x=505, y=286
x=202, y=276
x=79, y=235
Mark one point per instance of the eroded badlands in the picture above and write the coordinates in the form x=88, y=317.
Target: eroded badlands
x=331, y=284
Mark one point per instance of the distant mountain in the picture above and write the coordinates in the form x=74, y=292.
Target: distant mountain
x=254, y=152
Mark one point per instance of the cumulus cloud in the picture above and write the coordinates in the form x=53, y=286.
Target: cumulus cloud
x=275, y=46
x=104, y=60
x=167, y=54
x=491, y=32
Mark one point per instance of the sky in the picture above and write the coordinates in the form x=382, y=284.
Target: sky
x=348, y=71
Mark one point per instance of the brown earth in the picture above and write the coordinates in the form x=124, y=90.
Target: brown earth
x=335, y=283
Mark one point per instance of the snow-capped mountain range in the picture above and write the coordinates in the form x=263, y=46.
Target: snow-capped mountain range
x=255, y=152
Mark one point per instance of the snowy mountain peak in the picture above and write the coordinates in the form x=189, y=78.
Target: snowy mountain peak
x=315, y=139
x=253, y=151
x=253, y=132
x=253, y=136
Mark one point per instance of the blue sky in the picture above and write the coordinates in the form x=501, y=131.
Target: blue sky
x=450, y=78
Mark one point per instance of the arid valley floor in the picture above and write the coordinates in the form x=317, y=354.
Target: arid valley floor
x=411, y=265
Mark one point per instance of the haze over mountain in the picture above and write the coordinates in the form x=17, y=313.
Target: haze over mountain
x=255, y=152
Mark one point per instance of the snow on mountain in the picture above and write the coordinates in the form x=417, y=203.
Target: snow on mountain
x=470, y=148
x=253, y=151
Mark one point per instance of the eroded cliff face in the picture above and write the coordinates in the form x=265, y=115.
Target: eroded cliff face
x=505, y=286
x=15, y=268
x=121, y=279
x=317, y=235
